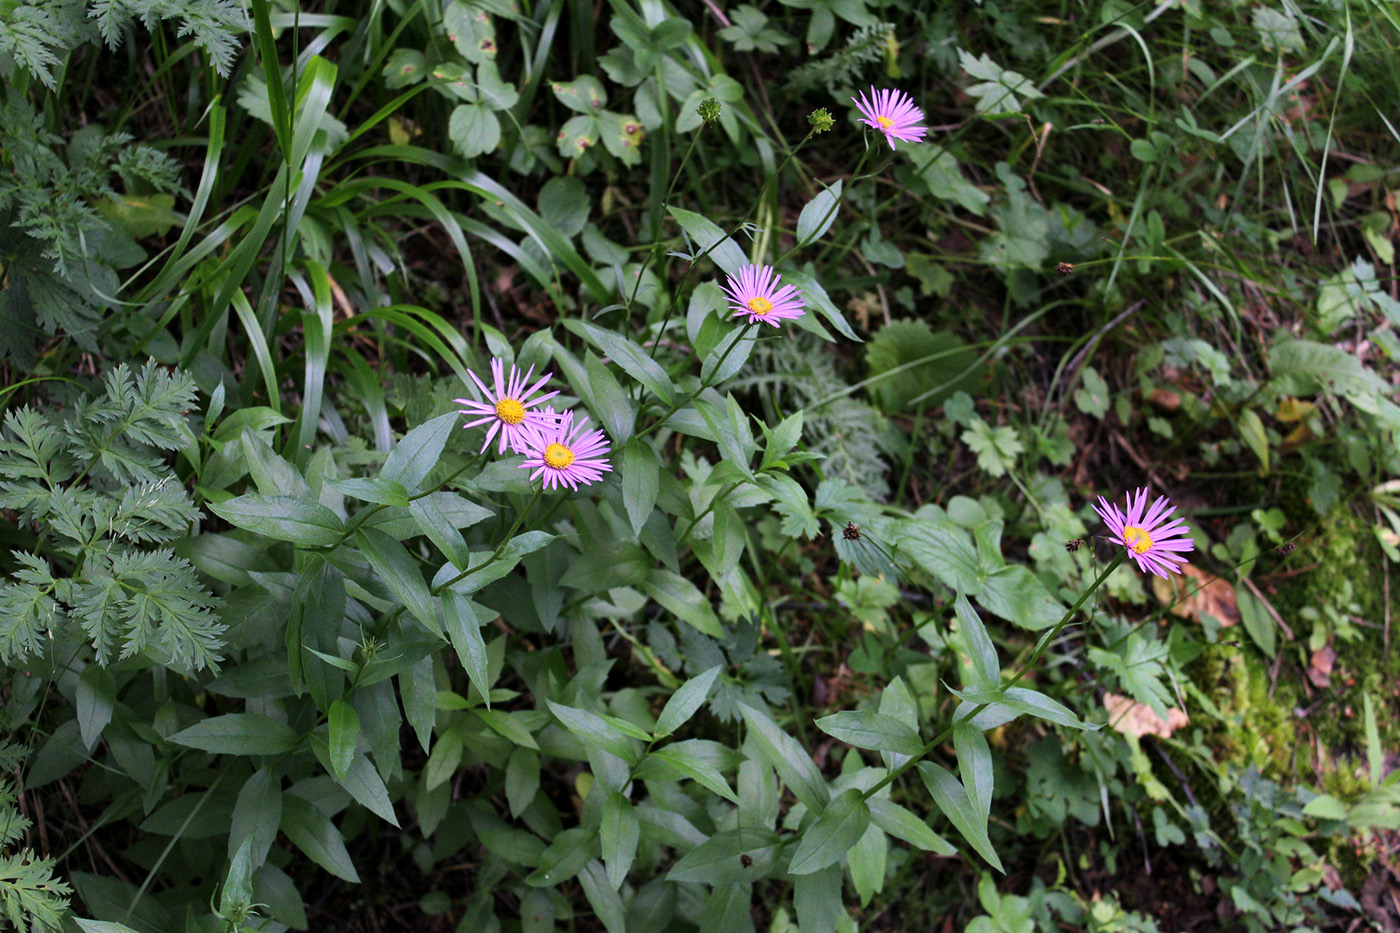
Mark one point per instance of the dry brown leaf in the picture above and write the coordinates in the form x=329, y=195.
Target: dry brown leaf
x=1196, y=593
x=1320, y=668
x=1133, y=718
x=1165, y=399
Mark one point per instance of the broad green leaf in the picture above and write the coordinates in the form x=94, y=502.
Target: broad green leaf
x=437, y=524
x=641, y=470
x=595, y=730
x=1257, y=621
x=363, y=782
x=838, y=828
x=400, y=573
x=239, y=734
x=788, y=758
x=979, y=643
x=866, y=861
x=96, y=699
x=414, y=457
x=975, y=765
x=685, y=701
x=509, y=726
x=373, y=489
x=902, y=824
x=632, y=358
x=1017, y=595
x=943, y=550
x=678, y=595
x=474, y=129
x=717, y=860
x=522, y=780
x=952, y=799
x=303, y=522
x=605, y=901
x=819, y=214
x=313, y=833
x=665, y=763
x=1041, y=706
x=873, y=731
x=619, y=833
x=564, y=858
x=343, y=736
x=464, y=629
x=256, y=815
x=816, y=897
x=445, y=758
x=712, y=240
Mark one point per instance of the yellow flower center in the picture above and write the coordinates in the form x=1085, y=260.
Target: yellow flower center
x=1137, y=539
x=760, y=305
x=510, y=411
x=558, y=456
x=885, y=122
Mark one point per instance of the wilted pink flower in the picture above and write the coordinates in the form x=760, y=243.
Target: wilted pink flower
x=1153, y=542
x=507, y=409
x=756, y=292
x=563, y=453
x=892, y=113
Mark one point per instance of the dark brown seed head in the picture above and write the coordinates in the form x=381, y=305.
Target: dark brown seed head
x=1064, y=268
x=1073, y=544
x=852, y=532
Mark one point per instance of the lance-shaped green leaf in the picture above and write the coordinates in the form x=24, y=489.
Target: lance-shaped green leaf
x=595, y=730
x=343, y=734
x=816, y=897
x=979, y=643
x=400, y=573
x=632, y=358
x=901, y=824
x=975, y=766
x=641, y=481
x=839, y=827
x=685, y=701
x=619, y=833
x=414, y=457
x=788, y=758
x=464, y=629
x=373, y=489
x=717, y=860
x=313, y=833
x=256, y=815
x=679, y=760
x=303, y=522
x=952, y=799
x=239, y=734
x=872, y=730
x=564, y=858
x=485, y=573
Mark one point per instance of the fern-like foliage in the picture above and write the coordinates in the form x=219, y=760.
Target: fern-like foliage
x=30, y=897
x=214, y=25
x=847, y=432
x=96, y=481
x=840, y=68
x=59, y=253
x=35, y=35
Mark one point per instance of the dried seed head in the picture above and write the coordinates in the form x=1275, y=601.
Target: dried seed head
x=1073, y=544
x=1064, y=268
x=852, y=532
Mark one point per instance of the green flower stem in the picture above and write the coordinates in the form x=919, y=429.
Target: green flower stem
x=1030, y=662
x=720, y=496
x=704, y=384
x=836, y=205
x=519, y=520
x=364, y=515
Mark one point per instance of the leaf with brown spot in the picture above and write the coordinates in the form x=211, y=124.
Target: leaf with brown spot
x=1197, y=594
x=1133, y=718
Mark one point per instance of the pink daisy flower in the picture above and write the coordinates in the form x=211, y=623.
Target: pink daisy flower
x=892, y=113
x=1153, y=542
x=756, y=292
x=563, y=453
x=507, y=409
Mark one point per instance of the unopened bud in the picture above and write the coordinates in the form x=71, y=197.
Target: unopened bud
x=709, y=110
x=821, y=120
